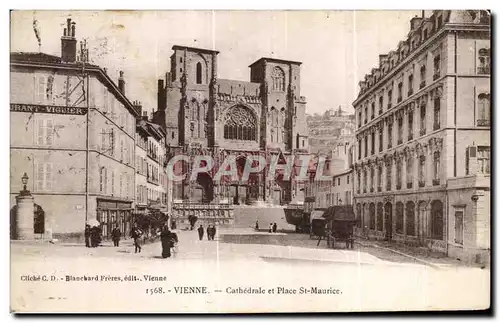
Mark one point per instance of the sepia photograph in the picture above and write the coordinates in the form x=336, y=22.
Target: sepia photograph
x=250, y=161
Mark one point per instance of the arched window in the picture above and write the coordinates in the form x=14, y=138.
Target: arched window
x=399, y=217
x=436, y=166
x=380, y=217
x=198, y=73
x=240, y=124
x=484, y=61
x=437, y=220
x=483, y=109
x=421, y=171
x=410, y=218
x=278, y=77
x=372, y=216
x=409, y=172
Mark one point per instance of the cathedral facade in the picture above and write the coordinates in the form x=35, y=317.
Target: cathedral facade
x=205, y=115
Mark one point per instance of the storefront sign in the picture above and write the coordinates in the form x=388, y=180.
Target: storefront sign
x=34, y=108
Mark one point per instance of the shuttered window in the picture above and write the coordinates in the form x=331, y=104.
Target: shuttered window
x=45, y=132
x=44, y=176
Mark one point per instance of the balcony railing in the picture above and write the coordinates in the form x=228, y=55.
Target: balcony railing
x=398, y=187
x=380, y=111
x=409, y=185
x=410, y=136
x=422, y=132
x=400, y=99
x=388, y=187
x=400, y=141
x=379, y=189
x=422, y=84
x=483, y=122
x=483, y=70
x=436, y=126
x=435, y=182
x=436, y=76
x=389, y=106
x=372, y=189
x=421, y=184
x=410, y=92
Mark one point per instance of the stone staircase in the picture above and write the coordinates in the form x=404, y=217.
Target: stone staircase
x=245, y=216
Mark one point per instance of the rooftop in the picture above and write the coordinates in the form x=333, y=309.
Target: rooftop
x=195, y=49
x=274, y=60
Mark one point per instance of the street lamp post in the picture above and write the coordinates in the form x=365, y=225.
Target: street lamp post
x=25, y=212
x=24, y=180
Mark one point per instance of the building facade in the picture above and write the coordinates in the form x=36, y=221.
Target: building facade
x=205, y=115
x=423, y=137
x=72, y=133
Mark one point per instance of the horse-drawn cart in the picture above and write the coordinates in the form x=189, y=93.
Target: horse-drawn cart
x=339, y=226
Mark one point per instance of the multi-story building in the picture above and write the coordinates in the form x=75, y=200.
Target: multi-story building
x=203, y=114
x=423, y=137
x=151, y=178
x=333, y=128
x=72, y=133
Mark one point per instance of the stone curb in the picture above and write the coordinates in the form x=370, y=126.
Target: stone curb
x=399, y=253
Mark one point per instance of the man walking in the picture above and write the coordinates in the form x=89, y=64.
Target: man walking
x=201, y=232
x=275, y=227
x=87, y=236
x=116, y=235
x=136, y=235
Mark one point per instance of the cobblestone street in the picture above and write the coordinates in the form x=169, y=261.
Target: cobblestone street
x=361, y=273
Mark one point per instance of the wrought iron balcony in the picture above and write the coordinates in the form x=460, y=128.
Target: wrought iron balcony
x=398, y=187
x=435, y=182
x=483, y=122
x=436, y=126
x=409, y=185
x=436, y=76
x=483, y=70
x=410, y=92
x=421, y=184
x=422, y=84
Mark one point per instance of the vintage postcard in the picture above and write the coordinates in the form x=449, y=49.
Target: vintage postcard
x=250, y=161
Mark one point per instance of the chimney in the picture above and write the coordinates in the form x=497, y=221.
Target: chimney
x=121, y=83
x=138, y=107
x=161, y=96
x=68, y=43
x=145, y=115
x=415, y=22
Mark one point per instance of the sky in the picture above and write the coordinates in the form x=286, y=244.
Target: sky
x=336, y=48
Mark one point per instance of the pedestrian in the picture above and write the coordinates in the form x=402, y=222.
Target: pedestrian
x=270, y=228
x=275, y=227
x=257, y=225
x=201, y=232
x=94, y=237
x=87, y=236
x=174, y=225
x=166, y=243
x=136, y=235
x=209, y=232
x=214, y=231
x=174, y=242
x=116, y=235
